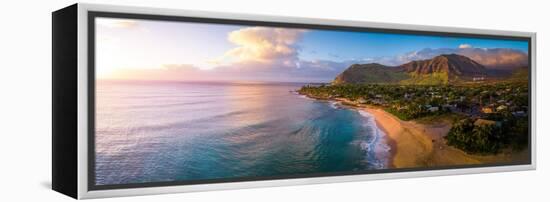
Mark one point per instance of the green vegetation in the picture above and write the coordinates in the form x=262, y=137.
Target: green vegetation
x=521, y=74
x=476, y=138
x=370, y=73
x=436, y=78
x=487, y=136
x=486, y=117
x=440, y=70
x=441, y=118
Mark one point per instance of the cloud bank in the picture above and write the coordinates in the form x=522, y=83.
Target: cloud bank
x=273, y=54
x=263, y=46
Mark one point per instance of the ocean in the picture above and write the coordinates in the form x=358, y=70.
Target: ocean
x=178, y=131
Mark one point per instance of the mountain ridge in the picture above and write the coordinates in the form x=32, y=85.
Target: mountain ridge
x=369, y=73
x=442, y=69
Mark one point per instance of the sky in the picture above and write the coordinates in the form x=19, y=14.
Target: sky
x=165, y=50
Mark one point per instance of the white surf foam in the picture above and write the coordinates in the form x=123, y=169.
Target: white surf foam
x=377, y=144
x=305, y=97
x=335, y=104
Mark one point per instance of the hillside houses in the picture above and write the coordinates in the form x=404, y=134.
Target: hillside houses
x=414, y=101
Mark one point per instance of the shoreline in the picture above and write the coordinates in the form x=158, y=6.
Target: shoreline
x=409, y=148
x=415, y=144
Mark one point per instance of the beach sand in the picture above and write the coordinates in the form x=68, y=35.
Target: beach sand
x=423, y=145
x=418, y=145
x=409, y=147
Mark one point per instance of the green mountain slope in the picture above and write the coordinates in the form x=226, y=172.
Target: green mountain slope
x=370, y=73
x=442, y=69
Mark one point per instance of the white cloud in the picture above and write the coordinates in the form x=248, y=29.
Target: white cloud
x=465, y=46
x=262, y=45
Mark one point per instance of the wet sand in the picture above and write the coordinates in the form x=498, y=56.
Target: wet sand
x=423, y=145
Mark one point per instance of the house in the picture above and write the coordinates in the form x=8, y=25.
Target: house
x=433, y=109
x=478, y=78
x=501, y=107
x=519, y=113
x=448, y=107
x=403, y=107
x=487, y=110
x=378, y=101
x=361, y=101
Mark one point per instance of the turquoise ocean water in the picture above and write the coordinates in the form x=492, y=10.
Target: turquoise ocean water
x=177, y=131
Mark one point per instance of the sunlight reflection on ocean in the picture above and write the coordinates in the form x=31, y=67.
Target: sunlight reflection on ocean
x=173, y=131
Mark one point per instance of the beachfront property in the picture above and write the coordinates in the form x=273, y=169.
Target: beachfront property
x=474, y=107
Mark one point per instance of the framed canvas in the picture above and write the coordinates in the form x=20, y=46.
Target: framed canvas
x=152, y=101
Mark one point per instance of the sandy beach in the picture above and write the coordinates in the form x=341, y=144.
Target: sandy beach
x=422, y=145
